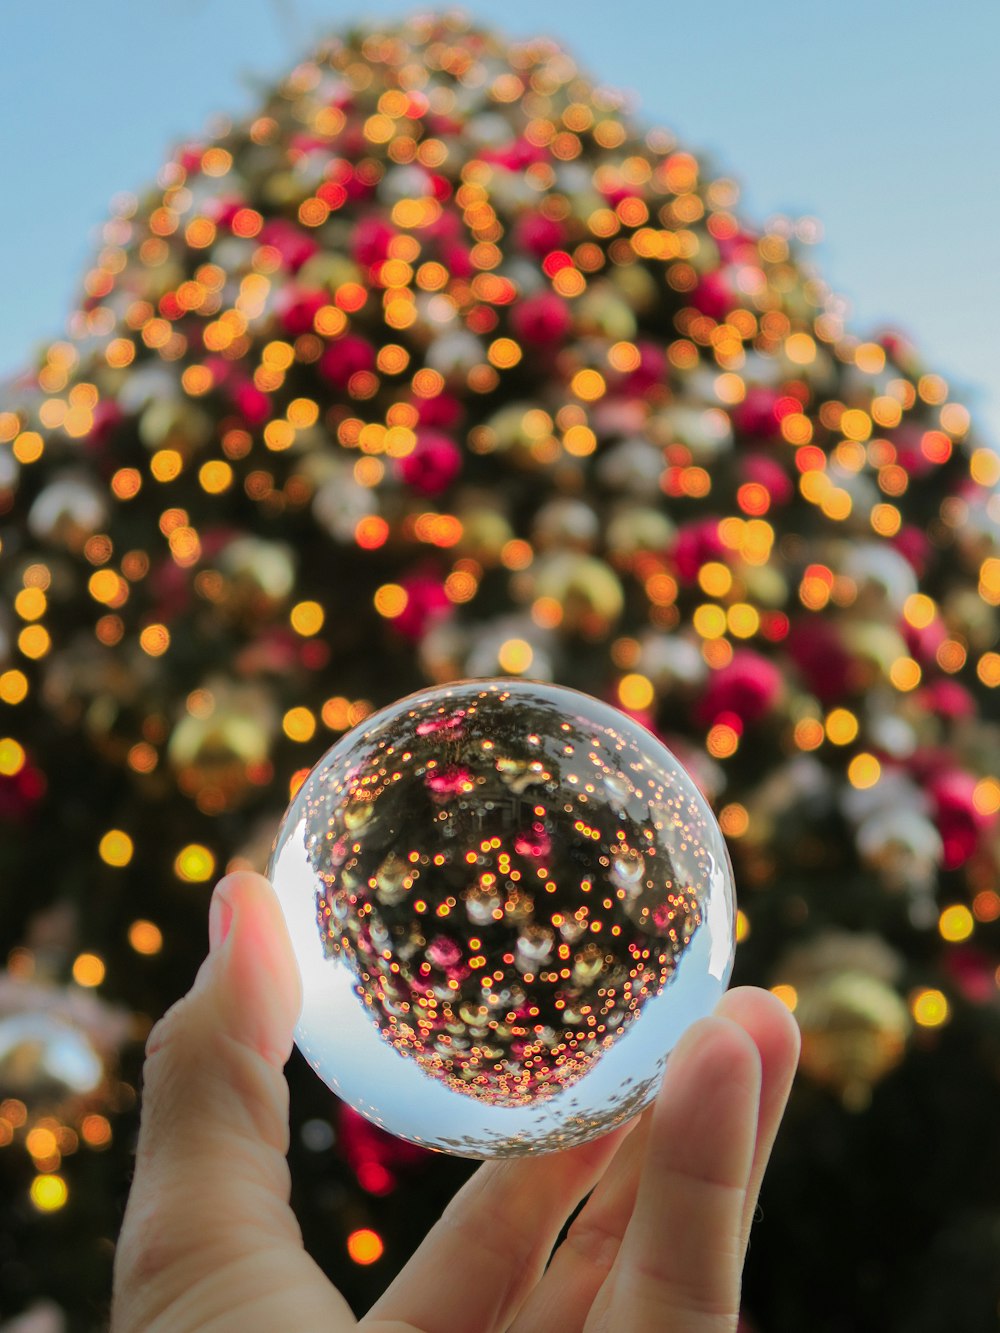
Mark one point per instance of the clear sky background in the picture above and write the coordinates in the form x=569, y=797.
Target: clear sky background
x=879, y=117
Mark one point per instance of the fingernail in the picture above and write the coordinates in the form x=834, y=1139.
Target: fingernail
x=220, y=918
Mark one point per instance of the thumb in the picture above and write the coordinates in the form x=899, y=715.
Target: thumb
x=211, y=1185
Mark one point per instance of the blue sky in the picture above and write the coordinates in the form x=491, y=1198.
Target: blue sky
x=879, y=117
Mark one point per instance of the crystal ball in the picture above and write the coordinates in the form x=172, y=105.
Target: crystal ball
x=507, y=900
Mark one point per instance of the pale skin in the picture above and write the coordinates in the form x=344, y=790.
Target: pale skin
x=209, y=1243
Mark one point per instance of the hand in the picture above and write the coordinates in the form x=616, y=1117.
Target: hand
x=209, y=1243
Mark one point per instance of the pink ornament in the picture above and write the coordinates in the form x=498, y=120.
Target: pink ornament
x=170, y=589
x=444, y=952
x=221, y=370
x=538, y=234
x=107, y=416
x=959, y=822
x=190, y=158
x=224, y=209
x=346, y=357
x=824, y=663
x=757, y=415
x=446, y=229
x=517, y=156
x=426, y=602
x=534, y=842
x=444, y=411
x=740, y=248
x=20, y=793
x=453, y=723
x=748, y=686
x=947, y=698
x=542, y=318
x=252, y=403
x=651, y=370
x=771, y=475
x=458, y=259
x=924, y=642
x=370, y=241
x=909, y=454
x=299, y=145
x=914, y=545
x=714, y=295
x=275, y=650
x=698, y=542
x=441, y=188
x=972, y=972
x=448, y=781
x=359, y=188
x=291, y=242
x=433, y=465
x=297, y=307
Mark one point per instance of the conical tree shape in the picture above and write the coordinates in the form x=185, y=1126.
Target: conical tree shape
x=440, y=367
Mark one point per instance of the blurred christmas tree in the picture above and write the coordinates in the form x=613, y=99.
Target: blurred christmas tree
x=441, y=367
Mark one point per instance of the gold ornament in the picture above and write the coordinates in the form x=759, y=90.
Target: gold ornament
x=587, y=589
x=221, y=749
x=853, y=1021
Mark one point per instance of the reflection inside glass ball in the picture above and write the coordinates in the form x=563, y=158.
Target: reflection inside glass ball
x=507, y=900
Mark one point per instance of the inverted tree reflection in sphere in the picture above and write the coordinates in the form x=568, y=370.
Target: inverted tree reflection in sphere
x=507, y=900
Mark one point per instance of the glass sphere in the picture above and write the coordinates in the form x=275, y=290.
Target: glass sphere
x=507, y=900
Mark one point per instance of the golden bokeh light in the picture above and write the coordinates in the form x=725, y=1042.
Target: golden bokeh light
x=194, y=863
x=299, y=724
x=12, y=757
x=116, y=848
x=307, y=618
x=365, y=1246
x=515, y=656
x=956, y=923
x=788, y=995
x=49, y=1193
x=145, y=937
x=636, y=691
x=929, y=1007
x=88, y=969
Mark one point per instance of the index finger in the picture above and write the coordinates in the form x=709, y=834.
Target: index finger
x=681, y=1255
